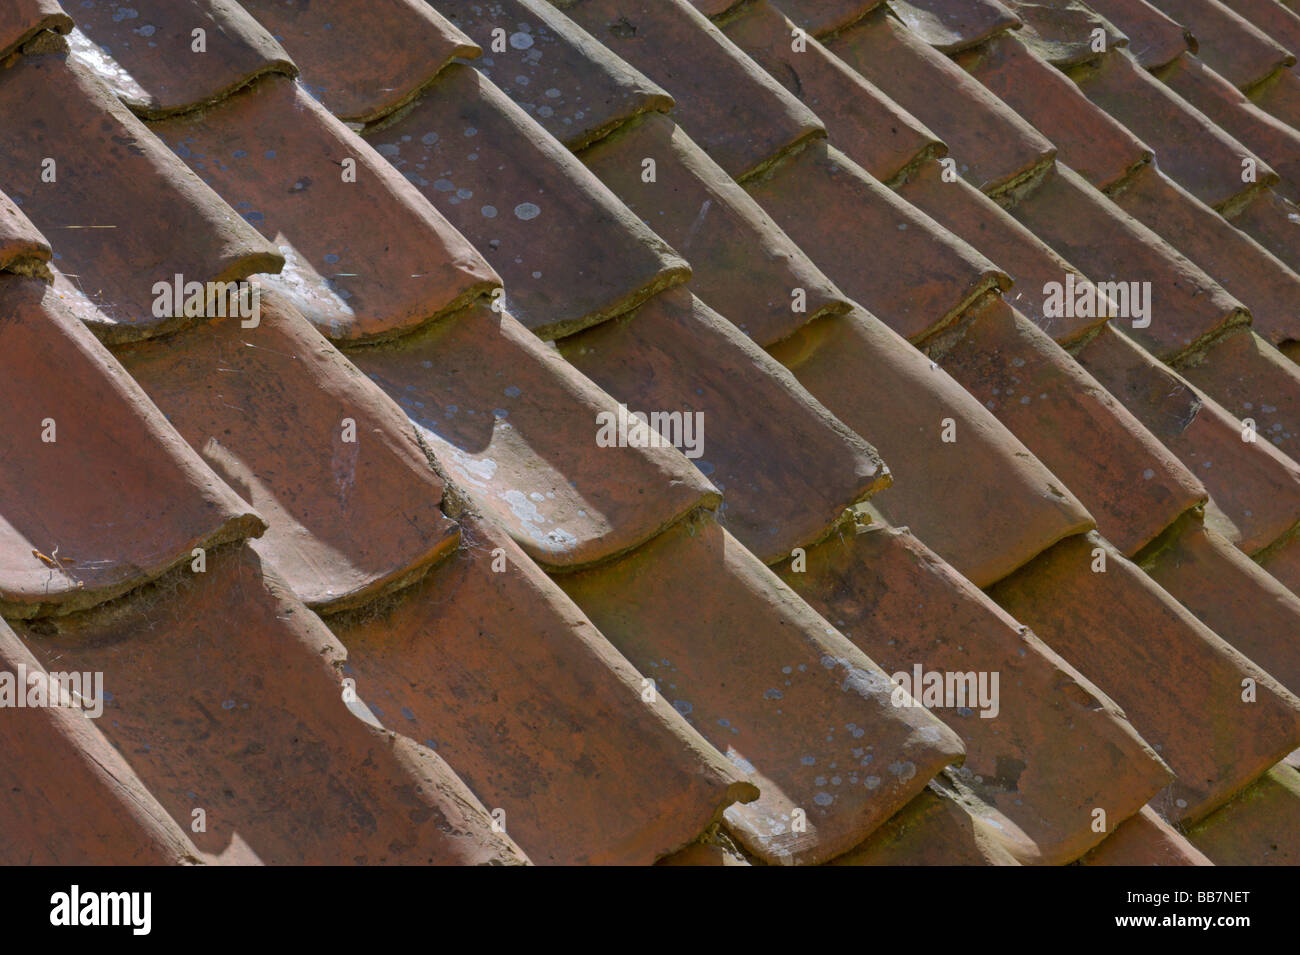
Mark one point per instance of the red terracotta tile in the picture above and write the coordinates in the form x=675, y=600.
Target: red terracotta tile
x=738, y=114
x=1146, y=840
x=1274, y=222
x=742, y=264
x=1283, y=563
x=952, y=25
x=1179, y=683
x=994, y=147
x=704, y=854
x=26, y=18
x=557, y=72
x=861, y=120
x=80, y=520
x=1242, y=266
x=1259, y=827
x=1063, y=32
x=1129, y=482
x=148, y=53
x=363, y=60
x=1233, y=596
x=1271, y=139
x=1189, y=148
x=804, y=714
x=70, y=798
x=1187, y=306
x=571, y=255
x=1252, y=379
x=966, y=212
x=934, y=829
x=894, y=259
x=982, y=501
x=276, y=156
x=269, y=409
x=1254, y=488
x=536, y=711
x=122, y=211
x=23, y=250
x=228, y=697
x=513, y=423
x=1280, y=96
x=1053, y=749
x=711, y=8
x=1271, y=18
x=823, y=17
x=1230, y=45
x=762, y=438
x=1154, y=38
x=1089, y=140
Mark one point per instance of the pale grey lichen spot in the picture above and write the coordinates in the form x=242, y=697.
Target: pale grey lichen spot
x=527, y=210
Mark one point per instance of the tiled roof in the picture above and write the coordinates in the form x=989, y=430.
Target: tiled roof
x=365, y=585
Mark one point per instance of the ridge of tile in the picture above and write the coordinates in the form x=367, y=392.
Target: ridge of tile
x=27, y=18
x=1143, y=840
x=67, y=491
x=953, y=25
x=1258, y=827
x=558, y=73
x=509, y=421
x=23, y=250
x=768, y=682
x=279, y=159
x=1231, y=45
x=995, y=149
x=1180, y=685
x=877, y=133
x=1088, y=139
x=1254, y=488
x=332, y=463
x=821, y=18
x=742, y=263
x=1155, y=38
x=1126, y=478
x=537, y=712
x=363, y=60
x=738, y=114
x=570, y=253
x=163, y=57
x=924, y=277
x=762, y=436
x=228, y=695
x=70, y=798
x=1055, y=747
x=118, y=200
x=982, y=501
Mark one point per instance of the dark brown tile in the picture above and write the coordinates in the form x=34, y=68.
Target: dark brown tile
x=527, y=702
x=1154, y=38
x=1230, y=45
x=800, y=710
x=1271, y=18
x=1063, y=32
x=822, y=17
x=98, y=494
x=122, y=211
x=513, y=423
x=952, y=25
x=1274, y=222
x=935, y=829
x=1283, y=563
x=571, y=255
x=278, y=157
x=1280, y=96
x=23, y=250
x=981, y=500
x=1259, y=827
x=1144, y=840
x=363, y=60
x=761, y=437
x=151, y=56
x=26, y=18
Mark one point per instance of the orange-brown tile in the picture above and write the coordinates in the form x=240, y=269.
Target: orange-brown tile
x=512, y=422
x=571, y=255
x=1283, y=563
x=98, y=493
x=884, y=253
x=742, y=264
x=934, y=829
x=761, y=437
x=981, y=500
x=738, y=114
x=281, y=160
x=123, y=212
x=489, y=663
x=168, y=56
x=1259, y=827
x=363, y=60
x=1145, y=840
x=1179, y=683
x=804, y=714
